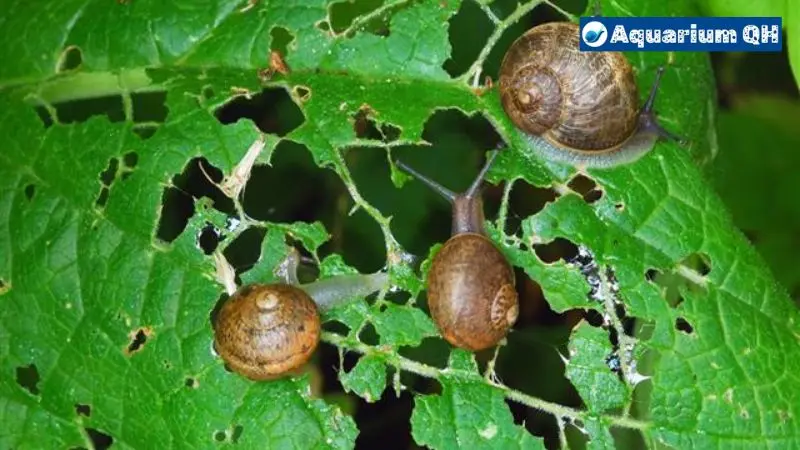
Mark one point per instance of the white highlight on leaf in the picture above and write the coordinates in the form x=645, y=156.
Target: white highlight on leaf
x=728, y=395
x=489, y=432
x=232, y=223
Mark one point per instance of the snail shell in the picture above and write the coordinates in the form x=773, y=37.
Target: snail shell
x=471, y=292
x=267, y=331
x=575, y=105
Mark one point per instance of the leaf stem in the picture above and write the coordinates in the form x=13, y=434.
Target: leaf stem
x=361, y=20
x=496, y=35
x=570, y=17
x=394, y=253
x=409, y=365
x=502, y=215
x=489, y=13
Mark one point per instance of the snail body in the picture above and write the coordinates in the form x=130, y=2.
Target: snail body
x=269, y=331
x=576, y=107
x=470, y=285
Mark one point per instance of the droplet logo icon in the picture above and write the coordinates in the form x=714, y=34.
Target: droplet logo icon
x=594, y=34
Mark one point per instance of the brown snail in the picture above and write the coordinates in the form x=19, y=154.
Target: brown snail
x=268, y=331
x=574, y=106
x=470, y=285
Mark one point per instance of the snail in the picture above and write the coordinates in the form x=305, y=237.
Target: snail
x=268, y=331
x=470, y=285
x=576, y=106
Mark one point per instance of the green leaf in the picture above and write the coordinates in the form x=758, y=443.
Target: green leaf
x=367, y=378
x=792, y=23
x=744, y=178
x=742, y=8
x=403, y=325
x=589, y=367
x=467, y=414
x=101, y=311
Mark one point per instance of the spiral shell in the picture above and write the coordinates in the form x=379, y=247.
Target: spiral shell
x=578, y=101
x=267, y=331
x=471, y=292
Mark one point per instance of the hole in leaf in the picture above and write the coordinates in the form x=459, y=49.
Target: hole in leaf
x=100, y=440
x=30, y=191
x=3, y=286
x=364, y=126
x=280, y=40
x=191, y=383
x=178, y=200
x=619, y=206
x=594, y=318
x=302, y=93
x=237, y=433
x=316, y=197
x=469, y=30
x=177, y=208
x=149, y=107
x=700, y=262
x=81, y=110
x=525, y=201
x=28, y=378
x=559, y=248
x=586, y=187
x=342, y=14
x=323, y=25
x=71, y=58
x=243, y=252
x=683, y=325
x=374, y=428
x=652, y=275
x=209, y=239
x=390, y=132
x=83, y=410
x=145, y=131
x=533, y=307
x=220, y=436
x=45, y=116
x=138, y=339
x=273, y=111
x=107, y=176
x=130, y=160
x=102, y=197
x=166, y=364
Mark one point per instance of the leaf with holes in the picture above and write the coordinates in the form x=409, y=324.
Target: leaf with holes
x=125, y=129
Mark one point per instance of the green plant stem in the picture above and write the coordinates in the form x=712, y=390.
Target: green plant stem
x=490, y=14
x=475, y=69
x=408, y=365
x=570, y=17
x=93, y=85
x=361, y=20
x=692, y=275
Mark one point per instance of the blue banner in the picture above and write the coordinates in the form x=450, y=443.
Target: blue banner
x=681, y=34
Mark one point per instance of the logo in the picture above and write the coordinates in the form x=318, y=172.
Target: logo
x=680, y=34
x=594, y=34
